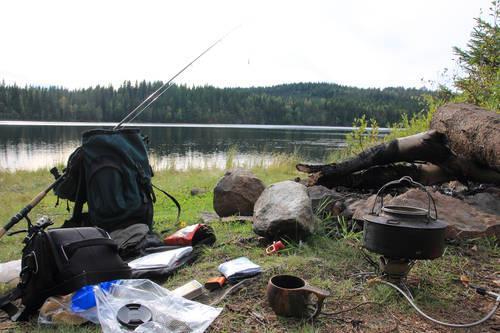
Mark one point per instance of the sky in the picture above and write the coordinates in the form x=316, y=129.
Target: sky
x=381, y=43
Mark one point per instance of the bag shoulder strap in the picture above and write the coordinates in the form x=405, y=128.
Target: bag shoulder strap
x=70, y=248
x=7, y=305
x=171, y=198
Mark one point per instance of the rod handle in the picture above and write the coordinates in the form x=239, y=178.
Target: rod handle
x=16, y=218
x=25, y=211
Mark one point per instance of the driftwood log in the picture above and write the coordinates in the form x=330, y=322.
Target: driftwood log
x=473, y=133
x=463, y=144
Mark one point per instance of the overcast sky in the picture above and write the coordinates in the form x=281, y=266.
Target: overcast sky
x=358, y=43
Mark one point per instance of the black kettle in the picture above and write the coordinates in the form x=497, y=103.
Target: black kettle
x=404, y=232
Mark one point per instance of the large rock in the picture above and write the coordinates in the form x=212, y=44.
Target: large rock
x=465, y=218
x=284, y=210
x=364, y=206
x=237, y=192
x=486, y=202
x=327, y=201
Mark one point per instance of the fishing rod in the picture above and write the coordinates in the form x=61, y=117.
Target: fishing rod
x=23, y=213
x=160, y=91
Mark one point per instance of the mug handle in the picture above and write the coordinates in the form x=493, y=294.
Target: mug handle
x=321, y=294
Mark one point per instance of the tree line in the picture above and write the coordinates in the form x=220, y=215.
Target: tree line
x=298, y=103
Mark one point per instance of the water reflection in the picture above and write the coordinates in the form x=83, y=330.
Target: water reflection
x=35, y=147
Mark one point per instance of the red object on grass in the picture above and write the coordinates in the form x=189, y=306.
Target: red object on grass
x=191, y=235
x=277, y=246
x=182, y=237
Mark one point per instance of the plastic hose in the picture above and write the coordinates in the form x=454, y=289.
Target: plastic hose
x=488, y=316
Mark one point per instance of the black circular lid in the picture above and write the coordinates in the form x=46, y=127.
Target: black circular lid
x=405, y=223
x=133, y=315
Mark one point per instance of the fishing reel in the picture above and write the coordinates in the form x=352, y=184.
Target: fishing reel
x=55, y=172
x=43, y=223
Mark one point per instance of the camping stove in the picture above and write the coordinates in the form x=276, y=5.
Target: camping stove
x=403, y=234
x=395, y=270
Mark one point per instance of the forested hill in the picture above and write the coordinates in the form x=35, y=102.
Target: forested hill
x=298, y=104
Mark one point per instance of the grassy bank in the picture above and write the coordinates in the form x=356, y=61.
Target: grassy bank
x=335, y=264
x=18, y=188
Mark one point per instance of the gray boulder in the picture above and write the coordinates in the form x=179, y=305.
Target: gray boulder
x=284, y=210
x=486, y=202
x=236, y=193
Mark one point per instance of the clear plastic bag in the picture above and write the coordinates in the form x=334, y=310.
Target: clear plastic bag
x=57, y=310
x=170, y=313
x=75, y=308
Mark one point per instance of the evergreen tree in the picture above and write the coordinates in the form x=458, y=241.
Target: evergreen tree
x=480, y=62
x=298, y=103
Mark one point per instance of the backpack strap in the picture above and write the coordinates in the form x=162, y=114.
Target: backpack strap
x=171, y=198
x=80, y=200
x=77, y=219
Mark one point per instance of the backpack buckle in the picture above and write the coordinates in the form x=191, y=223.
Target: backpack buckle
x=29, y=236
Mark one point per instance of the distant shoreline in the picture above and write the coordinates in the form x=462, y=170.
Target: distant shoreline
x=186, y=125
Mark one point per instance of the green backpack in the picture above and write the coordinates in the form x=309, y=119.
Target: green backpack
x=111, y=173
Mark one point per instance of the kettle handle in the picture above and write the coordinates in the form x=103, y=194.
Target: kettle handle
x=410, y=181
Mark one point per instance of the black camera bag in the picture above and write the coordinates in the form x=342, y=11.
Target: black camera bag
x=60, y=261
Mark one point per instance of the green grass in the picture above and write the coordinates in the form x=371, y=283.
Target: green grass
x=330, y=259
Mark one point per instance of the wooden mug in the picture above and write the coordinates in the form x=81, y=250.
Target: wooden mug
x=290, y=296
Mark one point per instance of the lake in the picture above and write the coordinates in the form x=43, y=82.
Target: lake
x=37, y=145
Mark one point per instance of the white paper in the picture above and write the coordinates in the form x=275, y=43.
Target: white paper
x=160, y=259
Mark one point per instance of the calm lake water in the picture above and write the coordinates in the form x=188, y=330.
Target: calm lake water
x=35, y=145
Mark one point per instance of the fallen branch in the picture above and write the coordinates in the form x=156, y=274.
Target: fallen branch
x=426, y=157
